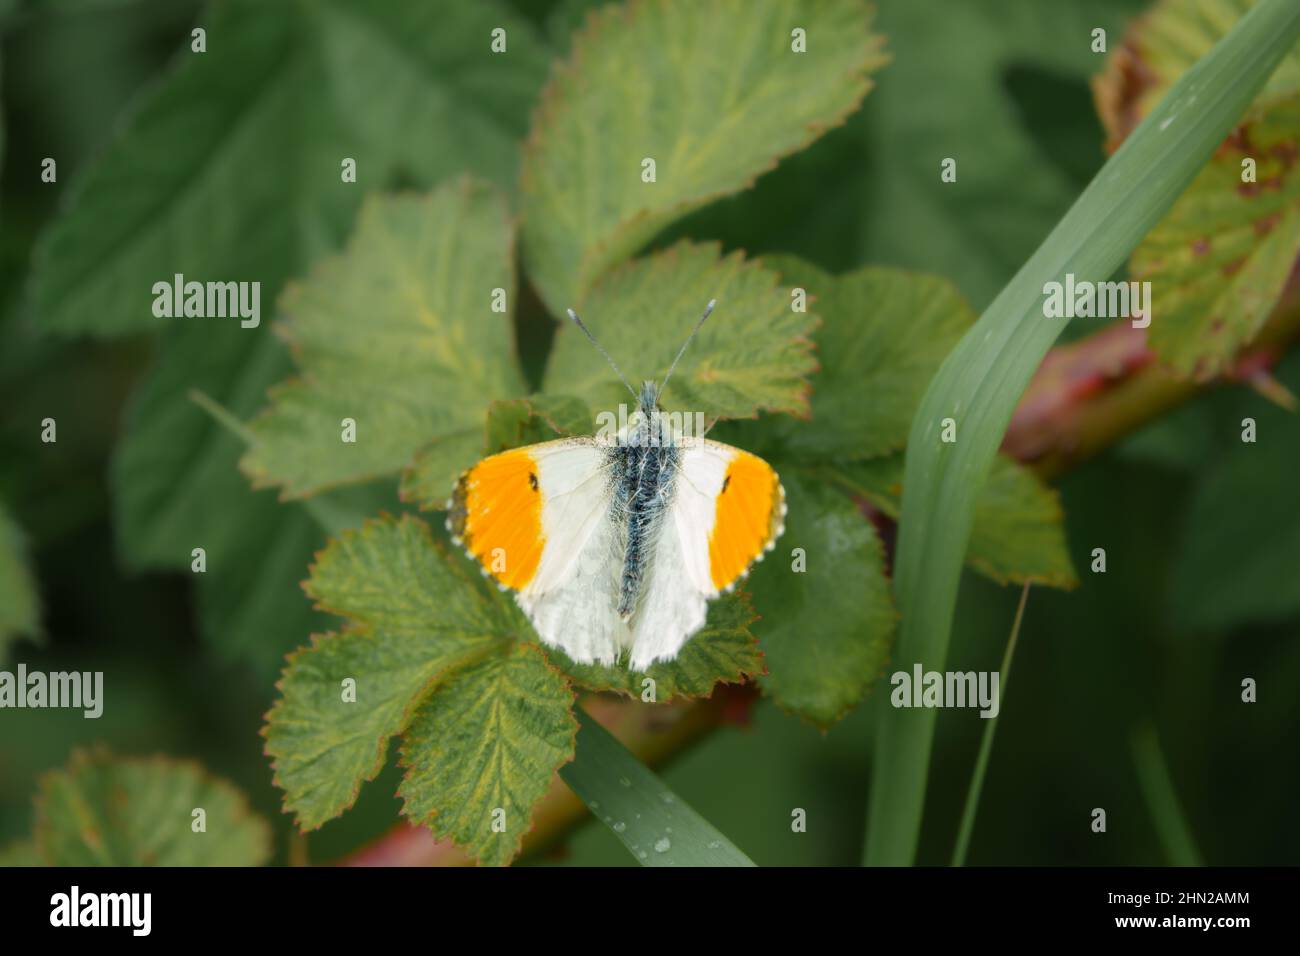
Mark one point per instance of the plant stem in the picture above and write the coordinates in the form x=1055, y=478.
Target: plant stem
x=1093, y=392
x=986, y=744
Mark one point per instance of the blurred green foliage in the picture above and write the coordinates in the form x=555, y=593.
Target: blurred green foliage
x=1200, y=591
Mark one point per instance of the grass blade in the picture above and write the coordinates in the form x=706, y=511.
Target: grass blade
x=986, y=742
x=984, y=376
x=657, y=828
x=1166, y=812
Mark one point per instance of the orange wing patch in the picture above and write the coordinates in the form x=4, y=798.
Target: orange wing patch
x=496, y=513
x=749, y=515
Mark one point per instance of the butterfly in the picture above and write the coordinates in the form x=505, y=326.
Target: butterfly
x=615, y=543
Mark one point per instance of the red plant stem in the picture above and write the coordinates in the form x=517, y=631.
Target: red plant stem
x=1089, y=394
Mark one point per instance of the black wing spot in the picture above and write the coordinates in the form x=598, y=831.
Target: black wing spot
x=532, y=480
x=725, y=481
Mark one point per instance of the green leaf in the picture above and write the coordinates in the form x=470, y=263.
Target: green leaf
x=107, y=811
x=397, y=334
x=173, y=452
x=262, y=121
x=413, y=618
x=723, y=651
x=883, y=334
x=1018, y=533
x=752, y=354
x=250, y=605
x=980, y=383
x=713, y=93
x=1219, y=261
x=430, y=477
x=528, y=421
x=19, y=605
x=651, y=821
x=826, y=630
x=1161, y=46
x=432, y=473
x=1219, y=264
x=968, y=76
x=481, y=752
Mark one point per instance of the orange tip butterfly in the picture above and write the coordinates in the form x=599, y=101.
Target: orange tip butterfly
x=615, y=544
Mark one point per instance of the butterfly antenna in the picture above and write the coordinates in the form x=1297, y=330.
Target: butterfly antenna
x=601, y=349
x=682, y=351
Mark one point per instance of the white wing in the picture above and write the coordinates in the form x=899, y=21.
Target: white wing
x=681, y=579
x=672, y=606
x=572, y=600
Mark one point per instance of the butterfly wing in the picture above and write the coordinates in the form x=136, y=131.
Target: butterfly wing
x=728, y=508
x=537, y=520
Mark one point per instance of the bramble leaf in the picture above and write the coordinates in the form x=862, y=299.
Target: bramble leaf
x=398, y=335
x=883, y=334
x=1220, y=259
x=1161, y=46
x=262, y=121
x=541, y=418
x=414, y=618
x=724, y=651
x=432, y=473
x=753, y=353
x=175, y=488
x=19, y=606
x=827, y=616
x=651, y=82
x=481, y=751
x=109, y=811
x=1018, y=534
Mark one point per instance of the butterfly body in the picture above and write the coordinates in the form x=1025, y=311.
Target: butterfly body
x=614, y=545
x=645, y=463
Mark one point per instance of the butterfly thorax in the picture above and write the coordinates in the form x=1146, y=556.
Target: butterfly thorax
x=645, y=467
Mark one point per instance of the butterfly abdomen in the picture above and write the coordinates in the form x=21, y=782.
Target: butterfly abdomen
x=642, y=494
